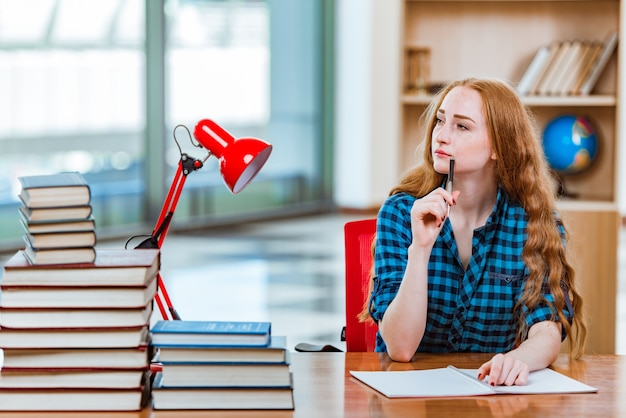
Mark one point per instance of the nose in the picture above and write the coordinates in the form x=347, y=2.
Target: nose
x=441, y=134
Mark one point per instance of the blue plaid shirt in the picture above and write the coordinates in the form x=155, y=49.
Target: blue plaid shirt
x=468, y=309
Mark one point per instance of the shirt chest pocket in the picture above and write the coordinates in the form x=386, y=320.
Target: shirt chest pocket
x=505, y=279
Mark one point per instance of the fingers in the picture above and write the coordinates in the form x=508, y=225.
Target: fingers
x=435, y=205
x=503, y=370
x=428, y=215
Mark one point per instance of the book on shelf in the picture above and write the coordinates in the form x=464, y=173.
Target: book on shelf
x=599, y=65
x=68, y=239
x=220, y=398
x=226, y=374
x=553, y=50
x=211, y=333
x=554, y=70
x=23, y=296
x=275, y=352
x=77, y=358
x=567, y=68
x=450, y=381
x=590, y=58
x=117, y=337
x=576, y=68
x=59, y=378
x=532, y=73
x=58, y=214
x=74, y=318
x=110, y=267
x=83, y=400
x=59, y=255
x=54, y=190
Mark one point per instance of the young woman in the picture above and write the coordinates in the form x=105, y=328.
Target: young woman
x=480, y=268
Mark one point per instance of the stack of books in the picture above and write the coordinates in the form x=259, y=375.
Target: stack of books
x=56, y=216
x=567, y=68
x=220, y=365
x=76, y=336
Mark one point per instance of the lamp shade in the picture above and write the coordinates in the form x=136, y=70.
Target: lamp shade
x=240, y=159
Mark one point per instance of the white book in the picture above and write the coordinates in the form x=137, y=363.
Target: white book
x=533, y=71
x=450, y=381
x=553, y=49
x=568, y=69
x=556, y=67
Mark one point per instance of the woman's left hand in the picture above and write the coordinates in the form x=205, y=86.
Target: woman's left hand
x=504, y=370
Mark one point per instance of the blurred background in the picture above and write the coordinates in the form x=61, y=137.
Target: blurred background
x=100, y=86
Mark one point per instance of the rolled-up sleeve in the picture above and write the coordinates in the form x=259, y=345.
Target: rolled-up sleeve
x=393, y=237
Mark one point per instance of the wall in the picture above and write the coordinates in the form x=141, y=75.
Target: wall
x=368, y=34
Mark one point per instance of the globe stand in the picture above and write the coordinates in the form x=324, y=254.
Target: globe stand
x=562, y=191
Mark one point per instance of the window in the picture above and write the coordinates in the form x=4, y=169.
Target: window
x=75, y=99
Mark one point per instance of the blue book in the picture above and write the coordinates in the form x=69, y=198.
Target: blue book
x=211, y=333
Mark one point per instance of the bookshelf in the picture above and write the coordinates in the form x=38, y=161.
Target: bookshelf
x=499, y=39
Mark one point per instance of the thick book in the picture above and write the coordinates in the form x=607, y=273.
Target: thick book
x=211, y=333
x=531, y=75
x=74, y=318
x=555, y=69
x=54, y=190
x=22, y=296
x=567, y=69
x=78, y=358
x=275, y=352
x=450, y=381
x=51, y=256
x=608, y=49
x=83, y=400
x=226, y=374
x=74, y=338
x=48, y=226
x=111, y=267
x=65, y=213
x=220, y=398
x=59, y=378
x=553, y=50
x=576, y=67
x=70, y=239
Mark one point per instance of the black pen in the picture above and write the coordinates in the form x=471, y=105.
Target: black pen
x=450, y=179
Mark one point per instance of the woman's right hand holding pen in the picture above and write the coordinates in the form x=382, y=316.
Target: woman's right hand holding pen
x=428, y=215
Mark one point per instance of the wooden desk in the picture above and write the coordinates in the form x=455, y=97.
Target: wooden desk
x=323, y=388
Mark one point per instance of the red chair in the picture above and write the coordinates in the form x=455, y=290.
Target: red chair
x=358, y=237
x=359, y=336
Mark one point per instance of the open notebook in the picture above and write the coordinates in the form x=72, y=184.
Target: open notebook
x=453, y=382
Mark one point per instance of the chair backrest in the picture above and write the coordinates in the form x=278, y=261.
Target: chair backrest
x=358, y=237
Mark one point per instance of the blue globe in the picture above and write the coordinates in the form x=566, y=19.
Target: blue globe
x=570, y=144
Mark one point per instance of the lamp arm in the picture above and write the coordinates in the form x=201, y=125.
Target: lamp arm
x=185, y=166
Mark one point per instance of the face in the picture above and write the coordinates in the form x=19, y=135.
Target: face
x=461, y=133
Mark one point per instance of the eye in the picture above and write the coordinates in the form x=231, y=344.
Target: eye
x=462, y=127
x=439, y=121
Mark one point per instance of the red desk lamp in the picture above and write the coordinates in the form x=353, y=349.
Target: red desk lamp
x=240, y=161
